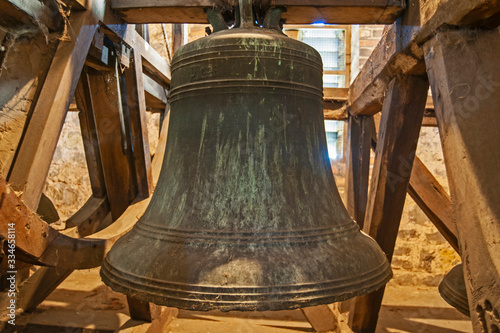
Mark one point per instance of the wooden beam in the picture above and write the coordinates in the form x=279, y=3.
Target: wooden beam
x=396, y=146
x=466, y=92
x=114, y=141
x=15, y=13
x=359, y=139
x=89, y=219
x=337, y=94
x=323, y=318
x=400, y=50
x=152, y=61
x=89, y=135
x=141, y=310
x=156, y=94
x=298, y=12
x=33, y=160
x=430, y=196
x=158, y=324
x=26, y=63
x=135, y=85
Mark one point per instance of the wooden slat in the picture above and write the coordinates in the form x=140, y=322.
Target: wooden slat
x=30, y=12
x=32, y=163
x=298, y=12
x=396, y=146
x=114, y=141
x=399, y=51
x=466, y=91
x=359, y=139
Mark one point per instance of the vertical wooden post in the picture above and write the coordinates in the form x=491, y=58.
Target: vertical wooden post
x=466, y=93
x=402, y=115
x=359, y=138
x=139, y=125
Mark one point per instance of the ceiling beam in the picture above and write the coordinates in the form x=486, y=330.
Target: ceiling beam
x=399, y=52
x=297, y=11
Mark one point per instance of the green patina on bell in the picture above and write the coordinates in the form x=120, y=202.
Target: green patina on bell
x=246, y=214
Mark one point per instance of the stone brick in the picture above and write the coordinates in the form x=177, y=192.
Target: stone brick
x=364, y=33
x=365, y=51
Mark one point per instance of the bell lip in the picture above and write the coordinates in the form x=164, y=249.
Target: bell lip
x=287, y=298
x=453, y=296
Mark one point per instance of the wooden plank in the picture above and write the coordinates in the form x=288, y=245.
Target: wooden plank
x=396, y=146
x=15, y=13
x=466, y=92
x=114, y=141
x=359, y=139
x=298, y=12
x=89, y=135
x=399, y=51
x=135, y=84
x=33, y=160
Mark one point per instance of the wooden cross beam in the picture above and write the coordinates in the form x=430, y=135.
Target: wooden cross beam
x=400, y=50
x=298, y=11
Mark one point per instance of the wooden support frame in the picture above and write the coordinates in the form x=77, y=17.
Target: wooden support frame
x=400, y=50
x=298, y=12
x=396, y=146
x=466, y=93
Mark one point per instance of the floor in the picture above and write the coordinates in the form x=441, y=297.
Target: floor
x=83, y=304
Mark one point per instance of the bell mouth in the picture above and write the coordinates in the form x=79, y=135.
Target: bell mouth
x=453, y=290
x=262, y=278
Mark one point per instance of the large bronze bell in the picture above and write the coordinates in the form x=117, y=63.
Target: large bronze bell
x=246, y=214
